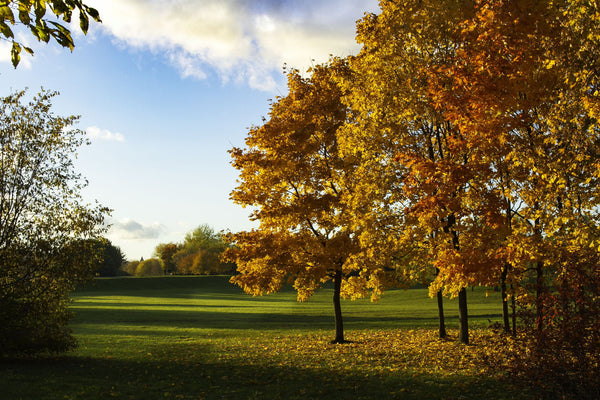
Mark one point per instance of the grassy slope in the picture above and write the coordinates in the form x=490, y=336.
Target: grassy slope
x=199, y=337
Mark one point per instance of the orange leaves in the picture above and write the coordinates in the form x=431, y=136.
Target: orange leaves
x=294, y=175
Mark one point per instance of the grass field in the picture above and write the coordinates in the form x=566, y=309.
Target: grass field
x=202, y=338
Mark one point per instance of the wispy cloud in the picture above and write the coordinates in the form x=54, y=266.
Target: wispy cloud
x=96, y=133
x=241, y=40
x=130, y=229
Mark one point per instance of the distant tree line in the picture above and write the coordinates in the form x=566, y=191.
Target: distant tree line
x=198, y=254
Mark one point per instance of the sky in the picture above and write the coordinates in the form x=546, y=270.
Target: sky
x=165, y=88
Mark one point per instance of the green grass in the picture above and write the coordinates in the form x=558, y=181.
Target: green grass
x=202, y=338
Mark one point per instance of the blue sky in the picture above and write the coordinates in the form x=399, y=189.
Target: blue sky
x=165, y=87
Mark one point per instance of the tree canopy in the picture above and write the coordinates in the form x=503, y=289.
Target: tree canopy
x=295, y=177
x=45, y=226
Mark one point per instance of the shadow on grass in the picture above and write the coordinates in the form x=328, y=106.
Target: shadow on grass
x=250, y=316
x=203, y=319
x=197, y=375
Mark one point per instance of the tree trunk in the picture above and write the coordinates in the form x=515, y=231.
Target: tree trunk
x=442, y=320
x=463, y=316
x=505, y=315
x=440, y=304
x=337, y=306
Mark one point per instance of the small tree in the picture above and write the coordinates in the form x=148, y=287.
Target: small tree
x=44, y=225
x=149, y=267
x=294, y=175
x=166, y=252
x=112, y=259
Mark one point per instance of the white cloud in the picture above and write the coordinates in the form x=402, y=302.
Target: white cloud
x=246, y=40
x=130, y=229
x=95, y=133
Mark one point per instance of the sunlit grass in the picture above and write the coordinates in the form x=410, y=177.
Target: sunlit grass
x=198, y=337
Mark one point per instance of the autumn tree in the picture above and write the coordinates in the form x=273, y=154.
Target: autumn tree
x=166, y=252
x=43, y=25
x=417, y=175
x=293, y=175
x=46, y=229
x=149, y=267
x=524, y=84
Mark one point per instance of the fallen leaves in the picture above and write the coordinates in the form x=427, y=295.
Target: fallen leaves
x=378, y=352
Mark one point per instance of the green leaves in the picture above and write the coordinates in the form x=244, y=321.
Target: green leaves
x=33, y=15
x=43, y=216
x=15, y=54
x=5, y=30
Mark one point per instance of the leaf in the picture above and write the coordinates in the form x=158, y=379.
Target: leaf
x=28, y=49
x=84, y=22
x=62, y=35
x=24, y=13
x=41, y=32
x=5, y=30
x=15, y=54
x=40, y=10
x=93, y=13
x=6, y=14
x=59, y=7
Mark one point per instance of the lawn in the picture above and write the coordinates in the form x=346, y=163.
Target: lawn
x=202, y=338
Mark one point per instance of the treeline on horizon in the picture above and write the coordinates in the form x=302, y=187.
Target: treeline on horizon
x=200, y=253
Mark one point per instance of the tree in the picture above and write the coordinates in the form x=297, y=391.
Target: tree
x=414, y=168
x=45, y=227
x=524, y=84
x=294, y=176
x=33, y=15
x=166, y=252
x=113, y=259
x=149, y=267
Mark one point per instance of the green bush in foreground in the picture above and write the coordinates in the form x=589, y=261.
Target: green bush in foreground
x=45, y=227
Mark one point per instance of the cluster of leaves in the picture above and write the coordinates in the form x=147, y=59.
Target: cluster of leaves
x=32, y=14
x=45, y=228
x=461, y=146
x=198, y=254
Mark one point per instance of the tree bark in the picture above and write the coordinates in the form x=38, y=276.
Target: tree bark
x=337, y=306
x=441, y=318
x=463, y=316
